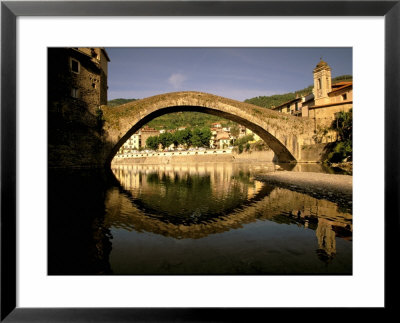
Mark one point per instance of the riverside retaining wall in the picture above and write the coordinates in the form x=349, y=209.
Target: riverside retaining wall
x=310, y=153
x=174, y=159
x=257, y=156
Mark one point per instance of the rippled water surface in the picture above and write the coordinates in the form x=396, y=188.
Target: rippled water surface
x=211, y=218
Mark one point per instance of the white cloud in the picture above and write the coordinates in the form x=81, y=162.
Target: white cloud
x=176, y=80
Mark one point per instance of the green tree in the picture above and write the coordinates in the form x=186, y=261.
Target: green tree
x=343, y=124
x=235, y=130
x=205, y=136
x=245, y=139
x=152, y=142
x=165, y=139
x=201, y=137
x=183, y=137
x=196, y=138
x=343, y=148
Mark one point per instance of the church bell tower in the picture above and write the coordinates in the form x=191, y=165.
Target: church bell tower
x=322, y=83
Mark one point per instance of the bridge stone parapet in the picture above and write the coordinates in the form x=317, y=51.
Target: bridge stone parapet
x=284, y=134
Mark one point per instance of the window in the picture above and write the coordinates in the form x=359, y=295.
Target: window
x=344, y=97
x=319, y=84
x=75, y=66
x=75, y=93
x=296, y=106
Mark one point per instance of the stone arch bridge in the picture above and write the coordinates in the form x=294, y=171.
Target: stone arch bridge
x=283, y=133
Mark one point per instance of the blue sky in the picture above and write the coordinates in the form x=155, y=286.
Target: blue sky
x=232, y=72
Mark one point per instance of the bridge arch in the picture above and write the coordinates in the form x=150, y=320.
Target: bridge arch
x=282, y=133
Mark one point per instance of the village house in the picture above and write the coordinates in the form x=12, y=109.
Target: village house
x=292, y=107
x=221, y=137
x=216, y=125
x=147, y=132
x=222, y=140
x=133, y=143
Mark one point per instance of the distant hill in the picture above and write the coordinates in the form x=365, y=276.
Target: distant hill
x=188, y=120
x=278, y=99
x=115, y=102
x=342, y=78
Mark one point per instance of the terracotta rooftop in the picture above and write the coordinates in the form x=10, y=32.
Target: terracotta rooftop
x=222, y=135
x=330, y=104
x=146, y=129
x=340, y=86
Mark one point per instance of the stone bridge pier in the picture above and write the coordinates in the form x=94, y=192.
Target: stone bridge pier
x=284, y=134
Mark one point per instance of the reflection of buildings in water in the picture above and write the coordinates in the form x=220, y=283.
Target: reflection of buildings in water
x=222, y=181
x=310, y=207
x=253, y=190
x=326, y=239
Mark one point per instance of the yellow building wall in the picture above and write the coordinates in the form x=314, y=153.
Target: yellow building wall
x=330, y=111
x=339, y=96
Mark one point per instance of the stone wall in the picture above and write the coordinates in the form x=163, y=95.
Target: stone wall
x=324, y=116
x=255, y=156
x=314, y=153
x=174, y=159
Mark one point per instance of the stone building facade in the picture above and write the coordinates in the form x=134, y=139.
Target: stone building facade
x=77, y=87
x=329, y=99
x=78, y=75
x=133, y=143
x=147, y=132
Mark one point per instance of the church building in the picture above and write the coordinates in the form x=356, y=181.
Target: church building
x=325, y=101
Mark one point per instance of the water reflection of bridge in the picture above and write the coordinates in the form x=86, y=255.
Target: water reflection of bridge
x=80, y=233
x=264, y=202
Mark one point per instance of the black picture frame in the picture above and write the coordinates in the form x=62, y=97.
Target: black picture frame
x=10, y=10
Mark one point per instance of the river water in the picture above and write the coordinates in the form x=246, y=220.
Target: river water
x=206, y=218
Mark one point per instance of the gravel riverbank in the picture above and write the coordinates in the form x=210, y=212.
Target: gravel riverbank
x=336, y=188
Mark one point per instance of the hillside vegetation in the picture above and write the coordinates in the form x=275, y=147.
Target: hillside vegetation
x=188, y=120
x=116, y=102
